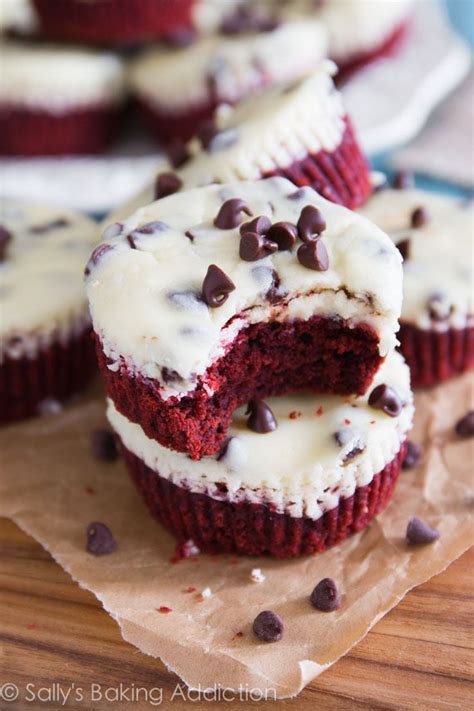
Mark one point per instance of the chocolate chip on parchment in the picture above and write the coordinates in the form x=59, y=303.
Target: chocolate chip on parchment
x=314, y=255
x=310, y=223
x=325, y=596
x=384, y=398
x=403, y=180
x=284, y=234
x=262, y=419
x=104, y=445
x=465, y=426
x=268, y=626
x=260, y=225
x=216, y=287
x=412, y=456
x=230, y=214
x=100, y=540
x=167, y=184
x=420, y=532
x=419, y=217
x=5, y=239
x=404, y=248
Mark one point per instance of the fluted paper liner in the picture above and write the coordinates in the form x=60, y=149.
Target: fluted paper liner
x=52, y=487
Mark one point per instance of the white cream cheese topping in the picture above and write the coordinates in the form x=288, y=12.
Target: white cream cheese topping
x=146, y=302
x=323, y=449
x=438, y=273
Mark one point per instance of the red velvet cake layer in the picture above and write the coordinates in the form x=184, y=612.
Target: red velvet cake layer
x=168, y=125
x=272, y=358
x=57, y=372
x=341, y=176
x=112, y=22
x=433, y=356
x=27, y=132
x=256, y=529
x=387, y=48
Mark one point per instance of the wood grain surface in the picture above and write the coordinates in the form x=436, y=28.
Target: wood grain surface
x=56, y=638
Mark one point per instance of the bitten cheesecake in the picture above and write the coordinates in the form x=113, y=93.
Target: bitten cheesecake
x=323, y=469
x=434, y=235
x=206, y=299
x=46, y=350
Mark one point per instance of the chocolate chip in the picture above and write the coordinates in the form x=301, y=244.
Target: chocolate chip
x=53, y=225
x=224, y=448
x=297, y=194
x=284, y=234
x=177, y=152
x=5, y=239
x=260, y=225
x=403, y=180
x=104, y=445
x=419, y=532
x=275, y=293
x=95, y=257
x=100, y=540
x=310, y=223
x=206, y=131
x=439, y=307
x=404, y=248
x=465, y=426
x=325, y=596
x=254, y=246
x=384, y=398
x=167, y=184
x=268, y=626
x=262, y=419
x=181, y=37
x=412, y=456
x=216, y=287
x=230, y=214
x=314, y=255
x=419, y=217
x=149, y=228
x=342, y=438
x=131, y=241
x=112, y=230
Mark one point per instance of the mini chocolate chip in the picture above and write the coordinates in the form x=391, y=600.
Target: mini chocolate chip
x=419, y=532
x=404, y=248
x=112, y=230
x=419, y=217
x=403, y=180
x=230, y=213
x=284, y=234
x=254, y=246
x=104, y=445
x=224, y=448
x=206, y=131
x=275, y=293
x=169, y=375
x=268, y=626
x=53, y=225
x=100, y=540
x=131, y=241
x=177, y=152
x=96, y=256
x=310, y=223
x=260, y=225
x=412, y=456
x=167, y=184
x=297, y=194
x=384, y=398
x=216, y=287
x=262, y=419
x=465, y=426
x=5, y=239
x=325, y=596
x=439, y=307
x=314, y=255
x=150, y=228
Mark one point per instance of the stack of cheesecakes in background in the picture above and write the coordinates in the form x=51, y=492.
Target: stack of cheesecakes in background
x=246, y=335
x=70, y=67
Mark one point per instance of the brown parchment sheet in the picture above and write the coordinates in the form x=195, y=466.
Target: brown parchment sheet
x=52, y=487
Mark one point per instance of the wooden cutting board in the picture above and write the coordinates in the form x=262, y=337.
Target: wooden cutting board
x=56, y=637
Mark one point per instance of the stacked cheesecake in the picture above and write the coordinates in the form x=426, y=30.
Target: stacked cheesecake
x=246, y=335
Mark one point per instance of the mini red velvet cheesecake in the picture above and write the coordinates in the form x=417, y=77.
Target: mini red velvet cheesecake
x=434, y=235
x=298, y=474
x=46, y=349
x=58, y=100
x=178, y=88
x=208, y=298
